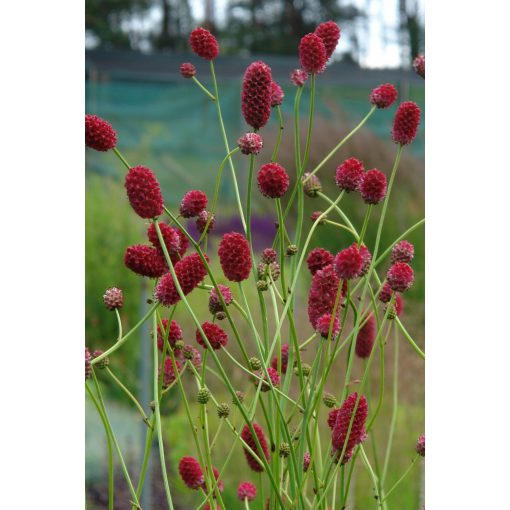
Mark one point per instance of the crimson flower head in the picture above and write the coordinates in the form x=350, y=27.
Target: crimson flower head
x=306, y=461
x=247, y=437
x=246, y=490
x=173, y=330
x=216, y=476
x=191, y=472
x=205, y=219
x=113, y=298
x=274, y=377
x=144, y=192
x=169, y=375
x=284, y=360
x=348, y=263
x=419, y=65
x=322, y=294
x=99, y=134
x=268, y=256
x=88, y=365
x=343, y=419
x=145, y=261
x=298, y=77
x=385, y=293
x=312, y=54
x=367, y=259
x=192, y=203
x=366, y=337
x=188, y=70
x=400, y=276
x=403, y=251
x=420, y=446
x=170, y=237
x=216, y=336
x=215, y=305
x=250, y=143
x=277, y=94
x=329, y=32
x=273, y=180
x=316, y=215
x=373, y=186
x=349, y=174
x=256, y=94
x=318, y=258
x=235, y=258
x=405, y=123
x=204, y=44
x=324, y=323
x=383, y=95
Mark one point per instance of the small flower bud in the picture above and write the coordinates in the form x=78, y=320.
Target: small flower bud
x=203, y=396
x=220, y=316
x=152, y=405
x=292, y=249
x=311, y=185
x=223, y=410
x=102, y=363
x=284, y=450
x=262, y=285
x=240, y=396
x=179, y=345
x=420, y=446
x=329, y=400
x=255, y=363
x=316, y=215
x=305, y=369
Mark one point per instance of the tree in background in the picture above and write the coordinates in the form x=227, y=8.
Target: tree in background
x=412, y=31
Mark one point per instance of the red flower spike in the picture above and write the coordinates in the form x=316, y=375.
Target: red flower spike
x=419, y=65
x=312, y=54
x=113, y=298
x=190, y=271
x=268, y=256
x=329, y=32
x=216, y=476
x=399, y=305
x=169, y=374
x=298, y=77
x=366, y=338
x=246, y=490
x=332, y=416
x=191, y=472
x=420, y=446
x=216, y=336
x=367, y=259
x=349, y=263
x=284, y=361
x=322, y=294
x=357, y=433
x=215, y=305
x=403, y=251
x=405, y=123
x=170, y=237
x=204, y=44
x=400, y=276
x=306, y=461
x=250, y=143
x=273, y=180
x=188, y=70
x=235, y=258
x=174, y=333
x=349, y=174
x=384, y=95
x=373, y=186
x=250, y=441
x=385, y=294
x=277, y=94
x=99, y=134
x=192, y=203
x=205, y=219
x=274, y=376
x=143, y=192
x=88, y=365
x=318, y=258
x=145, y=261
x=184, y=242
x=256, y=94
x=323, y=324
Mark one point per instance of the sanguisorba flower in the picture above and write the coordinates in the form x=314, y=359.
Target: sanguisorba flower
x=215, y=305
x=274, y=377
x=170, y=237
x=204, y=44
x=193, y=203
x=373, y=186
x=187, y=70
x=318, y=258
x=216, y=336
x=247, y=437
x=273, y=180
x=384, y=95
x=145, y=261
x=419, y=65
x=284, y=359
x=405, y=123
x=235, y=259
x=349, y=174
x=277, y=94
x=329, y=32
x=250, y=143
x=173, y=330
x=348, y=263
x=366, y=337
x=99, y=134
x=169, y=375
x=144, y=192
x=191, y=472
x=256, y=94
x=113, y=298
x=323, y=326
x=205, y=219
x=322, y=293
x=400, y=276
x=311, y=185
x=246, y=490
x=312, y=54
x=298, y=77
x=420, y=446
x=403, y=251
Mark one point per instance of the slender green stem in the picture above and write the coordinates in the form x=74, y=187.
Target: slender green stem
x=310, y=122
x=365, y=225
x=401, y=479
x=372, y=475
x=248, y=199
x=146, y=455
x=121, y=157
x=194, y=78
x=280, y=133
x=339, y=225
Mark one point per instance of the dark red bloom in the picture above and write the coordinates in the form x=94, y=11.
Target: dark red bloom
x=184, y=242
x=323, y=324
x=322, y=294
x=216, y=336
x=332, y=416
x=348, y=263
x=349, y=174
x=384, y=95
x=277, y=94
x=188, y=70
x=367, y=259
x=403, y=251
x=190, y=271
x=357, y=433
x=99, y=134
x=366, y=337
x=316, y=215
x=204, y=44
x=329, y=32
x=192, y=203
x=312, y=54
x=318, y=258
x=88, y=365
x=169, y=374
x=405, y=123
x=399, y=305
x=205, y=219
x=113, y=298
x=215, y=305
x=191, y=472
x=250, y=441
x=274, y=377
x=306, y=461
x=298, y=77
x=170, y=236
x=250, y=143
x=216, y=476
x=273, y=180
x=420, y=446
x=268, y=256
x=256, y=94
x=373, y=186
x=400, y=276
x=246, y=490
x=145, y=261
x=419, y=65
x=143, y=192
x=174, y=333
x=386, y=293
x=284, y=361
x=235, y=258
